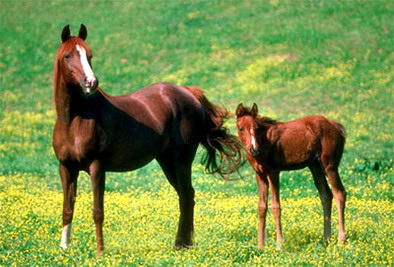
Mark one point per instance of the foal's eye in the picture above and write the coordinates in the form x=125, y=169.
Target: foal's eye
x=241, y=129
x=67, y=56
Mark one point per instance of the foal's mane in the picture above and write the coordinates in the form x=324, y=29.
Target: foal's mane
x=259, y=119
x=265, y=120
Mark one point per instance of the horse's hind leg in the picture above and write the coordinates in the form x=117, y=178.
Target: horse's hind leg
x=167, y=164
x=177, y=166
x=340, y=197
x=325, y=193
x=69, y=177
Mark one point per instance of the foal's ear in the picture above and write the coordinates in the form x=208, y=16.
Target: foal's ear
x=240, y=110
x=254, y=110
x=65, y=33
x=83, y=32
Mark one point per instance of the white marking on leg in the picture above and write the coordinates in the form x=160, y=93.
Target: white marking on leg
x=66, y=236
x=90, y=79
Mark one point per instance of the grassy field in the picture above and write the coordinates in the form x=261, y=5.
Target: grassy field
x=292, y=58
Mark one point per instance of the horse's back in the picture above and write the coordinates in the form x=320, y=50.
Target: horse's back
x=175, y=105
x=166, y=114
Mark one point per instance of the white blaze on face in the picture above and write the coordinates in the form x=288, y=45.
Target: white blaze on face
x=66, y=236
x=253, y=137
x=90, y=79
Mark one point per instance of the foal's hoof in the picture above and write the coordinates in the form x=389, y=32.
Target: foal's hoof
x=99, y=253
x=342, y=239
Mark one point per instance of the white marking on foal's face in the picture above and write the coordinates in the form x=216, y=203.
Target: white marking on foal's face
x=66, y=236
x=90, y=78
x=253, y=137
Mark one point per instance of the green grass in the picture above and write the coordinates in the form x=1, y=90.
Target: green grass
x=292, y=58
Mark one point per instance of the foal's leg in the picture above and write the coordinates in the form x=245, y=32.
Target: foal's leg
x=69, y=177
x=97, y=176
x=275, y=206
x=325, y=193
x=340, y=197
x=262, y=183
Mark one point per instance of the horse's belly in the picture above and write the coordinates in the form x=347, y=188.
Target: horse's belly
x=127, y=156
x=130, y=164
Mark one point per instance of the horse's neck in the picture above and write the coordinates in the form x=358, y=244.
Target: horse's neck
x=69, y=102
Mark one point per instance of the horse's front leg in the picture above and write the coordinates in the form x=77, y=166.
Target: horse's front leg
x=262, y=184
x=69, y=177
x=276, y=209
x=97, y=175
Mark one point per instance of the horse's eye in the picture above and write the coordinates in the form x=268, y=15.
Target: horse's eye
x=241, y=129
x=67, y=56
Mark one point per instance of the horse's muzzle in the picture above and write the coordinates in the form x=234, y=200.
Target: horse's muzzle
x=254, y=152
x=90, y=86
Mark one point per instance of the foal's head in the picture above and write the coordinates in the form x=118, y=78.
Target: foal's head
x=73, y=61
x=248, y=128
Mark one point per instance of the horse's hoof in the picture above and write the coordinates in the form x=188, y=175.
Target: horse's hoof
x=64, y=245
x=179, y=246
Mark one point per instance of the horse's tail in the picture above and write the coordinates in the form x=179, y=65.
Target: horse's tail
x=218, y=139
x=341, y=140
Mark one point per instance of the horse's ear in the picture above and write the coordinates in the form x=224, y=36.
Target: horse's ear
x=83, y=32
x=66, y=33
x=240, y=110
x=254, y=110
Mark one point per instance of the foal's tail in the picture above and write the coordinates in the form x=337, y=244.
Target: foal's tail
x=218, y=139
x=341, y=140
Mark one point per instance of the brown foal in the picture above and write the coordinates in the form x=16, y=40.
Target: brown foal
x=314, y=142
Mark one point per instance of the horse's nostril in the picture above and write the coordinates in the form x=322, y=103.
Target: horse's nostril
x=91, y=83
x=95, y=83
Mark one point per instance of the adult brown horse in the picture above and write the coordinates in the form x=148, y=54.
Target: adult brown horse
x=271, y=146
x=95, y=132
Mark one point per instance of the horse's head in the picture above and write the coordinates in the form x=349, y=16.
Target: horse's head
x=248, y=128
x=74, y=61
